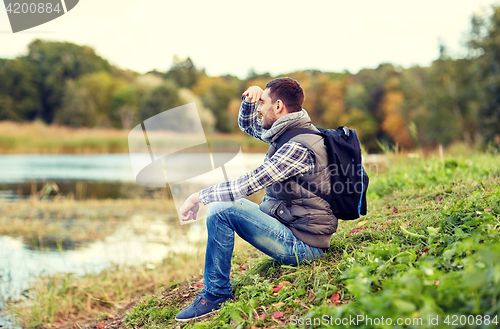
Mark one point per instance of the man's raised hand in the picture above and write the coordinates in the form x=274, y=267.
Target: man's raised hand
x=253, y=94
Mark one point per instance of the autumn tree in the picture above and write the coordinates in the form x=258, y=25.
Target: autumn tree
x=162, y=98
x=98, y=89
x=394, y=121
x=19, y=96
x=124, y=106
x=183, y=72
x=54, y=64
x=217, y=98
x=358, y=117
x=484, y=51
x=329, y=104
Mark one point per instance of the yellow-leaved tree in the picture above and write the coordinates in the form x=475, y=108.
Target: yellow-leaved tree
x=394, y=122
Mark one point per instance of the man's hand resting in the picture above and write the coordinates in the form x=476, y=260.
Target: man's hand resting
x=190, y=208
x=253, y=94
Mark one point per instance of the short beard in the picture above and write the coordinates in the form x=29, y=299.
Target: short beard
x=268, y=126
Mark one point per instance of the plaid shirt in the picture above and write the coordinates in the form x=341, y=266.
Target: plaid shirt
x=291, y=159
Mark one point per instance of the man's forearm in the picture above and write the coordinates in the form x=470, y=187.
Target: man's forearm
x=290, y=160
x=248, y=119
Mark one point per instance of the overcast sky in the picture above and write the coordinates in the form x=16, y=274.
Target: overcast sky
x=276, y=36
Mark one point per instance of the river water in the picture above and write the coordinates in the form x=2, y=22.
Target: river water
x=134, y=242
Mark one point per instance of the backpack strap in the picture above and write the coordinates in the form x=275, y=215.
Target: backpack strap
x=283, y=139
x=291, y=133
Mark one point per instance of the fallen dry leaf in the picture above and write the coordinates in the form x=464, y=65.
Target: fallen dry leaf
x=277, y=288
x=335, y=296
x=357, y=229
x=277, y=315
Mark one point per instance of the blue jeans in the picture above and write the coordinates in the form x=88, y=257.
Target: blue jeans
x=257, y=228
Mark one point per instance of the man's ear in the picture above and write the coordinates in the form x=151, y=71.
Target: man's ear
x=280, y=107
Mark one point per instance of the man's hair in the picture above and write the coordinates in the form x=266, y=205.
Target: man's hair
x=289, y=91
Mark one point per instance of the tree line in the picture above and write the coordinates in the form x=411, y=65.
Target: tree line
x=454, y=99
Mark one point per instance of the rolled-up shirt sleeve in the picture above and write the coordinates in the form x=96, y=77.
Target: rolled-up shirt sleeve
x=290, y=160
x=248, y=119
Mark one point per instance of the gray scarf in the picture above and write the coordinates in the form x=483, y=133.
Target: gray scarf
x=288, y=121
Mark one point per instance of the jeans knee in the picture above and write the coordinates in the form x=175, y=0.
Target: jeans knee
x=211, y=220
x=215, y=208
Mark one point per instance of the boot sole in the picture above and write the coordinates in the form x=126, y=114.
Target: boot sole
x=195, y=318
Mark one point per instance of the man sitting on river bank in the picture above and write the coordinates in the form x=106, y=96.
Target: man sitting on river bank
x=289, y=234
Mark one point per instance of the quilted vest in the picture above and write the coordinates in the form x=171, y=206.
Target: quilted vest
x=309, y=217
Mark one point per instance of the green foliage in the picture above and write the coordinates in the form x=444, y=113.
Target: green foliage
x=162, y=98
x=77, y=110
x=449, y=102
x=183, y=72
x=484, y=46
x=19, y=96
x=57, y=62
x=124, y=106
x=424, y=251
x=217, y=98
x=148, y=313
x=87, y=102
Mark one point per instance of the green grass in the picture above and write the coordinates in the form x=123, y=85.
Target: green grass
x=427, y=251
x=428, y=248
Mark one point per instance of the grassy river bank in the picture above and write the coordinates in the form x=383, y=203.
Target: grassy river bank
x=66, y=300
x=427, y=251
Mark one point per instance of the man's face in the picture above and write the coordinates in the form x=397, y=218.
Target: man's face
x=266, y=110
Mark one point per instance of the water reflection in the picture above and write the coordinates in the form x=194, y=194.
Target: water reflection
x=100, y=167
x=135, y=242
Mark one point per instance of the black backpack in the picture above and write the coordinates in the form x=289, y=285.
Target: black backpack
x=349, y=180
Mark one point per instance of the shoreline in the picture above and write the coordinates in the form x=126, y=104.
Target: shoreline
x=42, y=227
x=39, y=138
